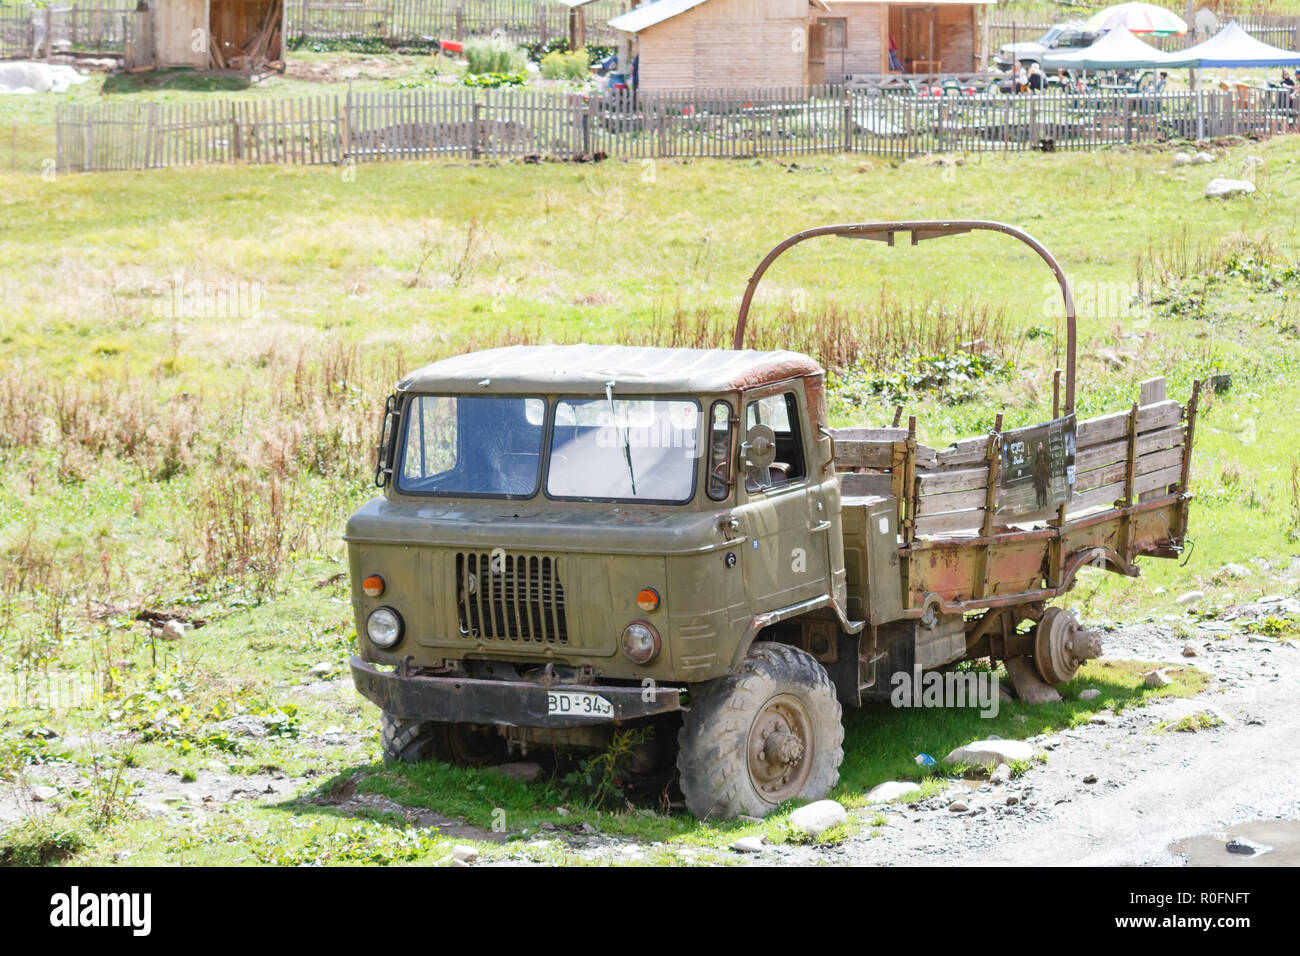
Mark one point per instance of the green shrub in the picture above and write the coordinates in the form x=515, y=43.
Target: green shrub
x=561, y=66
x=490, y=81
x=494, y=56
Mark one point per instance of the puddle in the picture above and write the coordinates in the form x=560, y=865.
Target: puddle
x=1276, y=843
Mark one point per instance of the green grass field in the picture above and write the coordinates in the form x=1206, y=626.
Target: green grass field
x=194, y=363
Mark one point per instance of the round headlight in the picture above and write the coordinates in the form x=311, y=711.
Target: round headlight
x=384, y=627
x=640, y=642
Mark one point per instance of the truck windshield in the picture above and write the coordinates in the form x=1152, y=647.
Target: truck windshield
x=624, y=450
x=472, y=445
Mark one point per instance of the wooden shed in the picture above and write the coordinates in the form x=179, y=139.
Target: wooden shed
x=942, y=36
x=242, y=35
x=682, y=44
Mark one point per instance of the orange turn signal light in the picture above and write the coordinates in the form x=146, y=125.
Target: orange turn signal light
x=647, y=599
x=373, y=586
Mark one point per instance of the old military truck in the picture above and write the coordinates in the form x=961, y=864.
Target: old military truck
x=576, y=539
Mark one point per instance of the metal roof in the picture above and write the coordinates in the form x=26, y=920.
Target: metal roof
x=926, y=3
x=584, y=369
x=647, y=16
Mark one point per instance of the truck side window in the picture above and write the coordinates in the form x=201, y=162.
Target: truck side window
x=719, y=451
x=781, y=414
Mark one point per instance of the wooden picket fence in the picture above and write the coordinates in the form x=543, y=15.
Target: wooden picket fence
x=27, y=30
x=514, y=123
x=17, y=31
x=521, y=21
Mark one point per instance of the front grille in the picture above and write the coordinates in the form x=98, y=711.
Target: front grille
x=510, y=597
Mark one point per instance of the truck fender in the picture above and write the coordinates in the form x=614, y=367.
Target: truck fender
x=768, y=618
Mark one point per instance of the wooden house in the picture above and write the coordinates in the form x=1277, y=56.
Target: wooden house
x=684, y=44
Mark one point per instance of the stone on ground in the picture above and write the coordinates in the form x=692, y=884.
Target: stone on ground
x=816, y=818
x=984, y=752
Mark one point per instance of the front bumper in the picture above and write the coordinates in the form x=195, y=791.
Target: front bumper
x=465, y=700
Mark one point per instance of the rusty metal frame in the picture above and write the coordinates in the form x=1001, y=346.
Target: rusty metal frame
x=921, y=229
x=1051, y=537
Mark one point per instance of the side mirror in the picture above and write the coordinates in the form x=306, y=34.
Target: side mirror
x=759, y=448
x=387, y=442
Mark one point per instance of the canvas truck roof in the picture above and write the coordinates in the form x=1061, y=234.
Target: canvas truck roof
x=584, y=369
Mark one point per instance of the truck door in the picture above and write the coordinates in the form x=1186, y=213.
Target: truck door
x=783, y=515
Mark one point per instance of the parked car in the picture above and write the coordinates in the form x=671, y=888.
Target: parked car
x=1062, y=36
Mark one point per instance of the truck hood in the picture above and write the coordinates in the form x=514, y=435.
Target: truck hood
x=612, y=529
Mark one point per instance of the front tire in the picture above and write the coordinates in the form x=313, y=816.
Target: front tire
x=769, y=733
x=465, y=745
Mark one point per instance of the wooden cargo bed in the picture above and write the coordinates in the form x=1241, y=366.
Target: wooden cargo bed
x=962, y=549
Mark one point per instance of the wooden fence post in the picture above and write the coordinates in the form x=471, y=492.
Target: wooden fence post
x=476, y=133
x=846, y=116
x=345, y=126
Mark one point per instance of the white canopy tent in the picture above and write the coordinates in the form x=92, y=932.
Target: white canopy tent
x=1234, y=47
x=1119, y=50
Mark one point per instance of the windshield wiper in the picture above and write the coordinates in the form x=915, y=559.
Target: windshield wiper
x=627, y=449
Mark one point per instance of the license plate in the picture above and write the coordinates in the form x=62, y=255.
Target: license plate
x=572, y=703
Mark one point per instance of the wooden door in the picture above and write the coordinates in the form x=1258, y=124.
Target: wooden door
x=816, y=53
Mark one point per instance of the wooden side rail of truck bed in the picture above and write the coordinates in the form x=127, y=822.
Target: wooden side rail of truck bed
x=958, y=554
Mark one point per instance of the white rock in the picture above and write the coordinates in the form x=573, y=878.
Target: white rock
x=748, y=845
x=44, y=794
x=216, y=766
x=465, y=853
x=31, y=77
x=816, y=818
x=1181, y=159
x=1189, y=599
x=173, y=631
x=323, y=669
x=1221, y=188
x=455, y=862
x=892, y=791
x=1200, y=159
x=1089, y=694
x=984, y=752
x=1001, y=775
x=1234, y=571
